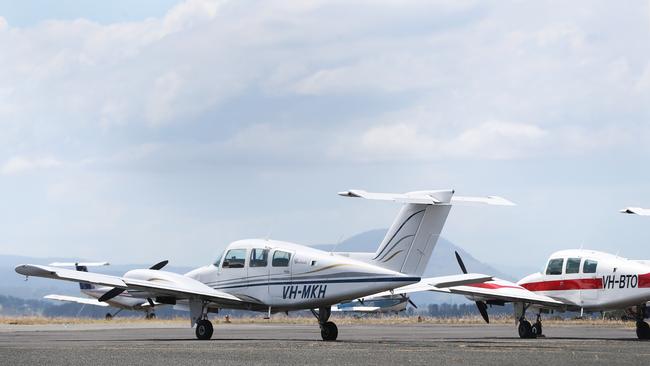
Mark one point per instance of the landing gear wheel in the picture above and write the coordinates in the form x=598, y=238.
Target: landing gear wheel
x=329, y=331
x=204, y=329
x=108, y=316
x=536, y=329
x=525, y=329
x=152, y=316
x=642, y=330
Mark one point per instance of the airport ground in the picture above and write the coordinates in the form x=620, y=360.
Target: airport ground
x=173, y=343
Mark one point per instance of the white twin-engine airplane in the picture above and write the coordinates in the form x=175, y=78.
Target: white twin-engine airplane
x=275, y=276
x=123, y=301
x=573, y=280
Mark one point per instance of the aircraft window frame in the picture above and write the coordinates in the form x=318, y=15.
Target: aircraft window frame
x=576, y=268
x=590, y=263
x=227, y=260
x=280, y=261
x=554, y=271
x=259, y=262
x=217, y=261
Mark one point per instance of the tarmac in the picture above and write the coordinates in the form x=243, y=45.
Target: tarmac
x=279, y=344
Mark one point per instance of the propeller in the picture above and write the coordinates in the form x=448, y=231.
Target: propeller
x=481, y=305
x=116, y=291
x=111, y=294
x=159, y=265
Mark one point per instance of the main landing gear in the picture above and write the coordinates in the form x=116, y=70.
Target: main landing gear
x=328, y=330
x=525, y=329
x=204, y=329
x=642, y=328
x=150, y=316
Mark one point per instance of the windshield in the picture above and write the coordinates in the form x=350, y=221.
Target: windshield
x=218, y=260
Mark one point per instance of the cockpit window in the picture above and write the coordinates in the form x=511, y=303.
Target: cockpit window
x=555, y=266
x=281, y=259
x=259, y=257
x=235, y=258
x=589, y=266
x=218, y=260
x=573, y=265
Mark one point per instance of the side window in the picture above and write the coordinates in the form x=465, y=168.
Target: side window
x=573, y=265
x=281, y=259
x=235, y=258
x=555, y=266
x=259, y=257
x=589, y=266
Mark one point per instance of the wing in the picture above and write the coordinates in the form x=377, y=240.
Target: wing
x=478, y=287
x=503, y=291
x=78, y=300
x=435, y=283
x=159, y=283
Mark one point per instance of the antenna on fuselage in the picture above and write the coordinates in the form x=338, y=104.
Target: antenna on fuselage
x=337, y=244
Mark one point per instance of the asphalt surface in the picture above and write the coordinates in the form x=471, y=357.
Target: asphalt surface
x=273, y=344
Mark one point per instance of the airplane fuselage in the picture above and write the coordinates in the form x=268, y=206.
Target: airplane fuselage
x=286, y=276
x=592, y=280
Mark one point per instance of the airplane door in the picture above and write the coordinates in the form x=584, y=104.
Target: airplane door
x=280, y=274
x=258, y=271
x=591, y=286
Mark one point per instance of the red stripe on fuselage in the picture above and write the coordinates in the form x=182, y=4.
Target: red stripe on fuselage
x=492, y=286
x=561, y=285
x=644, y=280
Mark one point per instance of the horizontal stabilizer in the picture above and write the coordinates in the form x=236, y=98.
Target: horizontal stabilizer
x=74, y=264
x=427, y=197
x=636, y=211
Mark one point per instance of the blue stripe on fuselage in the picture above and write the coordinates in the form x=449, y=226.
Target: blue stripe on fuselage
x=390, y=279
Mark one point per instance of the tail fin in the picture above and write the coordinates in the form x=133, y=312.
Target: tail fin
x=82, y=267
x=409, y=242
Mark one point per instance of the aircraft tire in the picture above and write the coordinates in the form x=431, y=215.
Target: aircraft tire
x=536, y=329
x=329, y=331
x=108, y=316
x=525, y=329
x=152, y=316
x=204, y=329
x=642, y=330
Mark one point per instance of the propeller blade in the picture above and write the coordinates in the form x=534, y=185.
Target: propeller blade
x=150, y=302
x=111, y=294
x=460, y=262
x=159, y=265
x=482, y=308
x=412, y=303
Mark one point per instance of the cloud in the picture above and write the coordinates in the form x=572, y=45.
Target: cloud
x=489, y=140
x=22, y=165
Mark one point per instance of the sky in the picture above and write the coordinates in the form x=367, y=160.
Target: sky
x=139, y=131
